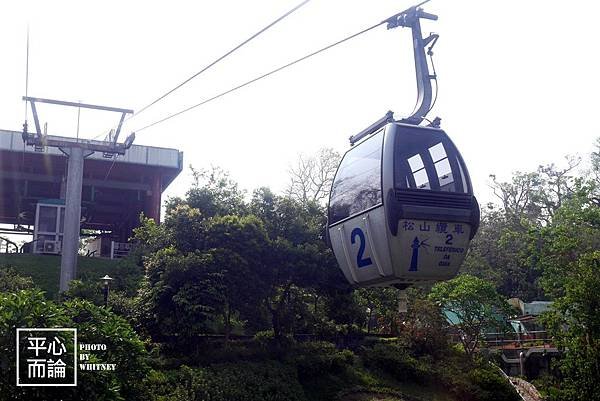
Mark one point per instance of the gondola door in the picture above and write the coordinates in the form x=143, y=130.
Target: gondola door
x=356, y=214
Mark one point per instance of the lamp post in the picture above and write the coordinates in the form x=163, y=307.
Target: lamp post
x=106, y=280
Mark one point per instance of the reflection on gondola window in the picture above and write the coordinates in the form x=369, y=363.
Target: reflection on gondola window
x=442, y=167
x=357, y=185
x=419, y=173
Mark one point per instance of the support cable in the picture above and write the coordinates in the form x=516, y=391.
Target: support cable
x=276, y=70
x=220, y=58
x=27, y=73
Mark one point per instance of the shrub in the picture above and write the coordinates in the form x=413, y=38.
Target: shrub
x=320, y=358
x=29, y=308
x=11, y=281
x=245, y=381
x=424, y=330
x=91, y=291
x=394, y=359
x=97, y=325
x=476, y=380
x=25, y=308
x=491, y=386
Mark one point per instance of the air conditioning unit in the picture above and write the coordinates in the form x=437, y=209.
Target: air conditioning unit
x=52, y=247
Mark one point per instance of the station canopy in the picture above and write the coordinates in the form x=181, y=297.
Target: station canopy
x=115, y=190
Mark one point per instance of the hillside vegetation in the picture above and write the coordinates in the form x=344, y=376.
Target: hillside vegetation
x=237, y=297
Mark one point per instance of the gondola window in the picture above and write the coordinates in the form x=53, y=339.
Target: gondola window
x=357, y=185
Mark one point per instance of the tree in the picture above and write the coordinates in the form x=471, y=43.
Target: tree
x=239, y=247
x=575, y=326
x=506, y=248
x=300, y=265
x=534, y=197
x=311, y=177
x=475, y=303
x=574, y=232
x=184, y=294
x=424, y=329
x=95, y=325
x=218, y=259
x=381, y=304
x=213, y=192
x=520, y=197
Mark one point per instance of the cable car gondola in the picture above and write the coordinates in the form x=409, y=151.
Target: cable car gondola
x=401, y=208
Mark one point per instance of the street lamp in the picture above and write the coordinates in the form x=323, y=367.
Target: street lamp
x=106, y=280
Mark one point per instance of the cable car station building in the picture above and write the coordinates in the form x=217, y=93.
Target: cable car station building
x=114, y=192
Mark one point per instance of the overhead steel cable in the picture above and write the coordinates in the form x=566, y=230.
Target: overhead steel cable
x=220, y=58
x=276, y=70
x=339, y=42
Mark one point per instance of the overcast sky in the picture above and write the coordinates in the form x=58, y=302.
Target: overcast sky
x=518, y=79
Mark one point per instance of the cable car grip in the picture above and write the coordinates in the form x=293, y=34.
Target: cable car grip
x=411, y=18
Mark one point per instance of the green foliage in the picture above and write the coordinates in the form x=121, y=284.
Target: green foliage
x=184, y=293
x=575, y=325
x=489, y=385
x=381, y=305
x=214, y=193
x=11, y=281
x=476, y=304
x=424, y=330
x=314, y=359
x=506, y=249
x=90, y=291
x=29, y=308
x=543, y=242
x=25, y=308
x=243, y=381
x=394, y=359
x=96, y=325
x=212, y=265
x=481, y=383
x=326, y=372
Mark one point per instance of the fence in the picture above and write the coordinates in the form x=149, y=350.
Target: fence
x=526, y=339
x=7, y=246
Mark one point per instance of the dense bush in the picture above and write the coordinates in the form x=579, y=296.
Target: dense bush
x=473, y=380
x=425, y=330
x=395, y=360
x=25, y=308
x=29, y=308
x=97, y=325
x=321, y=358
x=491, y=386
x=242, y=381
x=10, y=280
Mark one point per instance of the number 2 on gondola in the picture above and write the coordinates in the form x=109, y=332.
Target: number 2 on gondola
x=361, y=261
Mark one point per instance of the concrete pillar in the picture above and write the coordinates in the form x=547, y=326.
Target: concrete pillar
x=70, y=244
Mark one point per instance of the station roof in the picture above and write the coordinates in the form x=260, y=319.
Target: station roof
x=138, y=154
x=111, y=186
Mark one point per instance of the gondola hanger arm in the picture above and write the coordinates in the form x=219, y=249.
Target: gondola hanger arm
x=411, y=18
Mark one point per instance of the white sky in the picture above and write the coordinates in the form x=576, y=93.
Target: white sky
x=518, y=79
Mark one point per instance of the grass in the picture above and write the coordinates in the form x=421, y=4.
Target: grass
x=357, y=383
x=367, y=396
x=45, y=270
x=425, y=392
